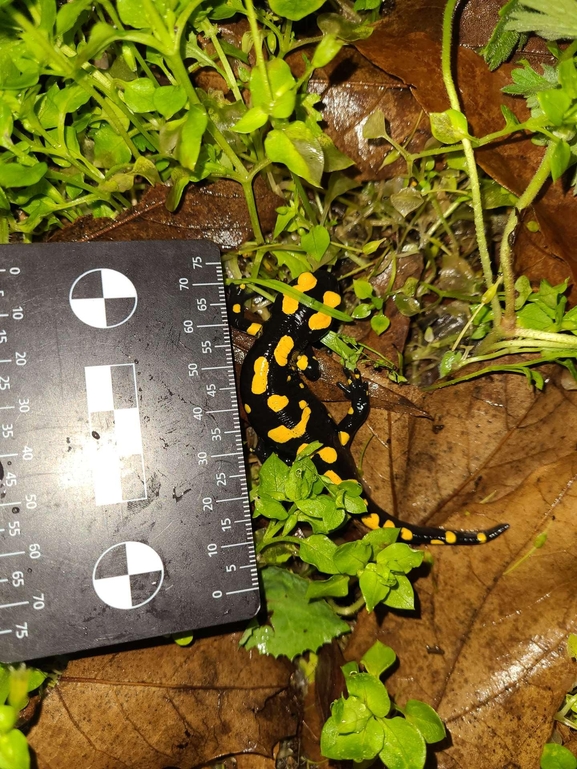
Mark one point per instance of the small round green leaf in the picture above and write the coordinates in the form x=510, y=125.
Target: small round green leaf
x=557, y=757
x=191, y=136
x=17, y=175
x=380, y=323
x=14, y=750
x=295, y=146
x=318, y=550
x=139, y=95
x=378, y=658
x=449, y=127
x=169, y=99
x=426, y=720
x=404, y=746
x=295, y=10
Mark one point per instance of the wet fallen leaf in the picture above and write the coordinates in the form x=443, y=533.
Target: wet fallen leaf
x=487, y=645
x=414, y=27
x=214, y=211
x=165, y=706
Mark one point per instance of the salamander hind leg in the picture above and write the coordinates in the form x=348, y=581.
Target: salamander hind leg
x=429, y=535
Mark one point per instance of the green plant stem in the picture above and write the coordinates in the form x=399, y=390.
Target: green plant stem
x=506, y=256
x=257, y=41
x=348, y=611
x=469, y=157
x=4, y=230
x=209, y=31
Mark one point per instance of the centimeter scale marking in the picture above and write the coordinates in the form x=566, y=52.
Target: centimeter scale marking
x=122, y=473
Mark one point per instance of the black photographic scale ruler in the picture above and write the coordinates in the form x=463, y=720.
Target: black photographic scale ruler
x=124, y=511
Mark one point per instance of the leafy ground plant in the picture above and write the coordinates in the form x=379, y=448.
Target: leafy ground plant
x=15, y=686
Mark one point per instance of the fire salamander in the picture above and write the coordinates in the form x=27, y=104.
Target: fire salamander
x=286, y=415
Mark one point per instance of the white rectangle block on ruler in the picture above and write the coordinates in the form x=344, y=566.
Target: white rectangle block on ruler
x=116, y=453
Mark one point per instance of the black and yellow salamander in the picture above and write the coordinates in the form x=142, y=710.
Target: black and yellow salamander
x=286, y=415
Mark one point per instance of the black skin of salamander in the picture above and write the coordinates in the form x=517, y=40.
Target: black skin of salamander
x=285, y=380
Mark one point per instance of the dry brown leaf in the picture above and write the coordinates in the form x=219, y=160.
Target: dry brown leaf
x=165, y=706
x=414, y=27
x=486, y=647
x=215, y=211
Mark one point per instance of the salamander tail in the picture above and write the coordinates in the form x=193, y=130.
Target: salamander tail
x=428, y=535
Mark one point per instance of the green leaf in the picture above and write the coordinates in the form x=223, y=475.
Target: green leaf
x=139, y=95
x=316, y=242
x=270, y=508
x=251, y=121
x=337, y=25
x=276, y=95
x=400, y=558
x=380, y=323
x=407, y=200
x=449, y=362
x=188, y=148
x=337, y=586
x=373, y=587
x=133, y=13
x=8, y=718
x=295, y=10
x=380, y=538
x=532, y=316
x=404, y=746
x=101, y=36
x=14, y=752
x=16, y=175
x=301, y=479
x=378, y=658
x=449, y=127
x=321, y=513
x=272, y=478
x=528, y=82
x=109, y=148
x=352, y=557
x=318, y=550
x=402, y=595
x=560, y=159
x=69, y=13
x=356, y=747
x=295, y=146
x=351, y=715
x=503, y=41
x=17, y=70
x=326, y=50
x=362, y=311
x=426, y=720
x=371, y=691
x=298, y=625
x=554, y=104
x=363, y=289
x=557, y=757
x=553, y=20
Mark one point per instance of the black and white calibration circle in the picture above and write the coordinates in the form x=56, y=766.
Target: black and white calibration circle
x=103, y=298
x=128, y=575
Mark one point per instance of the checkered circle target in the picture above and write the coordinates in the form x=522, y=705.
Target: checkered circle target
x=103, y=298
x=128, y=575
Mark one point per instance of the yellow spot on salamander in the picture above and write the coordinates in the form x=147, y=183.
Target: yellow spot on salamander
x=406, y=534
x=388, y=524
x=302, y=447
x=260, y=377
x=344, y=437
x=254, y=329
x=277, y=402
x=436, y=542
x=332, y=476
x=303, y=404
x=306, y=281
x=236, y=308
x=302, y=362
x=328, y=455
x=481, y=537
x=371, y=521
x=350, y=411
x=319, y=320
x=247, y=408
x=283, y=350
x=450, y=537
x=289, y=305
x=283, y=434
x=331, y=299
